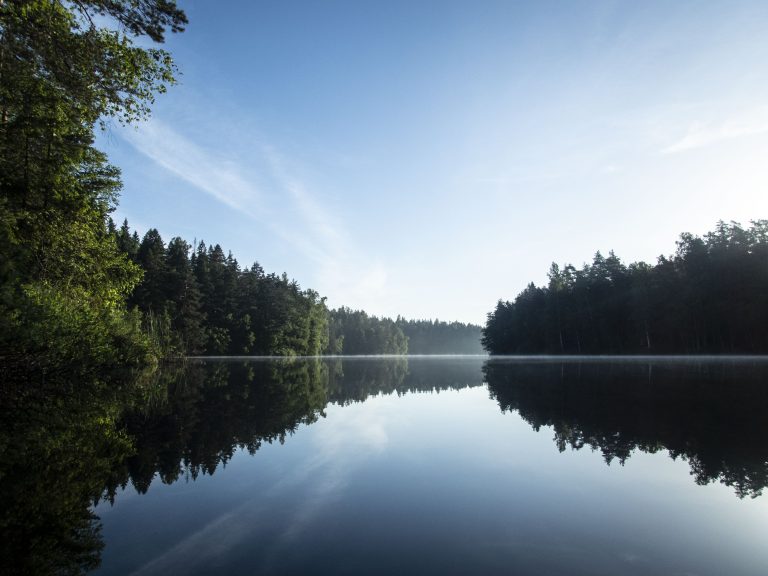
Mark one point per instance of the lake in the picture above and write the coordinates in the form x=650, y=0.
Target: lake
x=423, y=465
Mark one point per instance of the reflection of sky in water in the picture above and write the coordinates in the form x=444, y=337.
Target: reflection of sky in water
x=435, y=483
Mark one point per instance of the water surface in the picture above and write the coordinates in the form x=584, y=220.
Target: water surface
x=442, y=466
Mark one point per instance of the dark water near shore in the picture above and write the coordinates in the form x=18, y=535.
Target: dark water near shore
x=381, y=466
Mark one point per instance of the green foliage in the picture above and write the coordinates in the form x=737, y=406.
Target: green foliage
x=204, y=303
x=214, y=307
x=63, y=281
x=60, y=447
x=54, y=329
x=91, y=72
x=354, y=332
x=710, y=297
x=436, y=337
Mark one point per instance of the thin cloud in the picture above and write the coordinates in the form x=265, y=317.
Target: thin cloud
x=322, y=224
x=352, y=278
x=702, y=134
x=199, y=167
x=224, y=180
x=277, y=199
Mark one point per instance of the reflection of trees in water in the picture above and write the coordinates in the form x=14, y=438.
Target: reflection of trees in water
x=207, y=411
x=356, y=379
x=212, y=410
x=58, y=451
x=713, y=415
x=62, y=451
x=66, y=448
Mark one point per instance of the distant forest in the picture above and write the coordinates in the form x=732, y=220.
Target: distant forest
x=200, y=301
x=354, y=332
x=711, y=296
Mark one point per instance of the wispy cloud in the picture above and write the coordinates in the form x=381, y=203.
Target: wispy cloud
x=321, y=223
x=197, y=166
x=270, y=192
x=262, y=198
x=701, y=134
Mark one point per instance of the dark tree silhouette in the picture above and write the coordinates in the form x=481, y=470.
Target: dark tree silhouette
x=711, y=296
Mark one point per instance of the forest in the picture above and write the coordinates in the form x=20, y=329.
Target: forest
x=710, y=297
x=199, y=300
x=354, y=332
x=63, y=281
x=77, y=292
x=438, y=337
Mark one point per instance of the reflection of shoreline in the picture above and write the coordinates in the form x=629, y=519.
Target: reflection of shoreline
x=203, y=411
x=713, y=414
x=190, y=418
x=60, y=447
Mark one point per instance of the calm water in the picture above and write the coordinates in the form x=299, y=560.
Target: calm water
x=423, y=466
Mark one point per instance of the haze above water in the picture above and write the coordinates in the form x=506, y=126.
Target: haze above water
x=446, y=466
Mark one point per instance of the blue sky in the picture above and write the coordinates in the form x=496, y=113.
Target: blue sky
x=428, y=158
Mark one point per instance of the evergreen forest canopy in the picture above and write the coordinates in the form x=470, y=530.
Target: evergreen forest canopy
x=200, y=301
x=710, y=297
x=78, y=293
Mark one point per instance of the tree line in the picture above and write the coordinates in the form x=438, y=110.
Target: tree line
x=198, y=300
x=711, y=296
x=439, y=337
x=355, y=332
